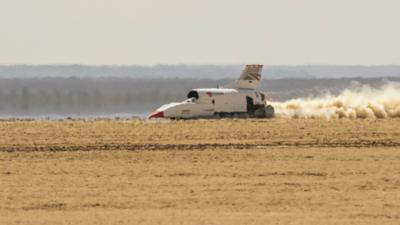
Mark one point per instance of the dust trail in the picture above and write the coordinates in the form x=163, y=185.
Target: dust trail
x=357, y=102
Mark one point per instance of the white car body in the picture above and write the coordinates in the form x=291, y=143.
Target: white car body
x=239, y=98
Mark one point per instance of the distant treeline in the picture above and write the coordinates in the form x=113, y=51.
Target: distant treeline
x=91, y=96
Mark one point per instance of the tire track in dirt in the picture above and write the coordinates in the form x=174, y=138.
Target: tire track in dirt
x=201, y=146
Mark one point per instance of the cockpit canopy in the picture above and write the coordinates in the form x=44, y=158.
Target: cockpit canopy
x=193, y=94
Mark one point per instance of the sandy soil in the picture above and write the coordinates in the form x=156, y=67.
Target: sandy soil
x=200, y=172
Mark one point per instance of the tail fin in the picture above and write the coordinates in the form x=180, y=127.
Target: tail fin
x=251, y=72
x=250, y=78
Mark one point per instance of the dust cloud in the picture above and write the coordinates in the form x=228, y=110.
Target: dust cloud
x=355, y=102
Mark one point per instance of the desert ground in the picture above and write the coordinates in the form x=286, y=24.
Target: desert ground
x=233, y=171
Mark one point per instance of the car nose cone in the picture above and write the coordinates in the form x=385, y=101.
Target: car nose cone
x=156, y=114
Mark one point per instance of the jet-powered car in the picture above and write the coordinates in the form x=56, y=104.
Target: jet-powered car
x=242, y=98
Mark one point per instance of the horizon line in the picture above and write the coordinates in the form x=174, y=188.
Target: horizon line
x=185, y=64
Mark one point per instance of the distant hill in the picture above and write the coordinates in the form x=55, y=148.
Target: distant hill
x=195, y=71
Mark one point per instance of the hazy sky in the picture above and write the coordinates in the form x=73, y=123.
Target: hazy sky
x=200, y=31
